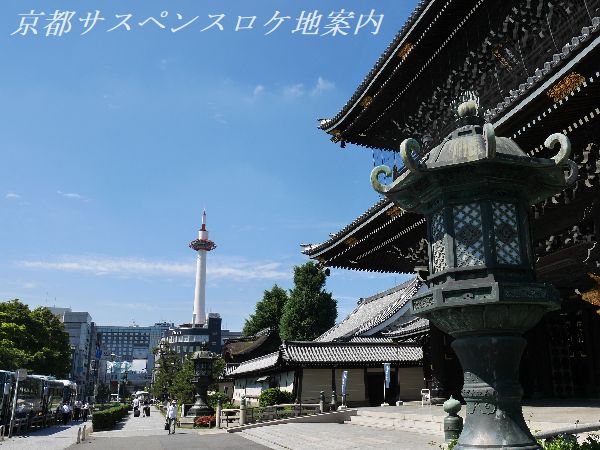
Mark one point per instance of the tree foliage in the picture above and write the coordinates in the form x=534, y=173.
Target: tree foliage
x=183, y=389
x=35, y=340
x=267, y=313
x=169, y=364
x=310, y=310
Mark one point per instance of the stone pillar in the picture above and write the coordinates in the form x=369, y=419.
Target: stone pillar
x=322, y=402
x=453, y=424
x=243, y=411
x=218, y=413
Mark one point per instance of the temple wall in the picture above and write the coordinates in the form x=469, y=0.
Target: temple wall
x=315, y=380
x=251, y=388
x=411, y=383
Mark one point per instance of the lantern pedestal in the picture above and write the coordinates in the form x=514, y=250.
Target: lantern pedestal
x=493, y=393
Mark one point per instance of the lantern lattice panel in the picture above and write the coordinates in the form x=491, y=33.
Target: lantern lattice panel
x=506, y=231
x=468, y=235
x=437, y=248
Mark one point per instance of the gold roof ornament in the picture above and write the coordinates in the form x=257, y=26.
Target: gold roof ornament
x=565, y=86
x=405, y=50
x=350, y=241
x=593, y=295
x=366, y=101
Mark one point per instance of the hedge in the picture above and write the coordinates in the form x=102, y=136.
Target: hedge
x=106, y=419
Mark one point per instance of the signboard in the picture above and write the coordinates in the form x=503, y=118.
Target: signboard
x=386, y=370
x=344, y=381
x=21, y=374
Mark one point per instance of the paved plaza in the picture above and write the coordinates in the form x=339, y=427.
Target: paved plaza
x=302, y=436
x=52, y=438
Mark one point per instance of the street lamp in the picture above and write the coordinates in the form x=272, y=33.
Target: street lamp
x=475, y=190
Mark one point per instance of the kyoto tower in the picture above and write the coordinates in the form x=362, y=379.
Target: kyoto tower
x=202, y=245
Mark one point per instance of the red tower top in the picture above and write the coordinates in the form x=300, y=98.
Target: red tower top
x=203, y=243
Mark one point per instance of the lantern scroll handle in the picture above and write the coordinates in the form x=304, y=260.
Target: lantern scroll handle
x=375, y=178
x=407, y=148
x=565, y=147
x=489, y=135
x=573, y=172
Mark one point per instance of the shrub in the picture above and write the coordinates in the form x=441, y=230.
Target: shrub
x=213, y=397
x=204, y=421
x=107, y=418
x=275, y=396
x=570, y=443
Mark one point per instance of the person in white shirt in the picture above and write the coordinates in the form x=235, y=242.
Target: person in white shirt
x=172, y=416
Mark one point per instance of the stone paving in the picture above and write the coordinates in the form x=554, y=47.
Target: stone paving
x=302, y=436
x=52, y=438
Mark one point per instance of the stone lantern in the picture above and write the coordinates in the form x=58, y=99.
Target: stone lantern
x=203, y=363
x=475, y=190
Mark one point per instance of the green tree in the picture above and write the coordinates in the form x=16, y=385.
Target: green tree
x=310, y=310
x=167, y=365
x=183, y=389
x=33, y=340
x=103, y=393
x=267, y=313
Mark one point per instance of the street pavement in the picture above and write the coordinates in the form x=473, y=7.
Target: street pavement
x=302, y=436
x=52, y=438
x=148, y=433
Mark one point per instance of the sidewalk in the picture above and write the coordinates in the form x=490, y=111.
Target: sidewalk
x=52, y=438
x=154, y=425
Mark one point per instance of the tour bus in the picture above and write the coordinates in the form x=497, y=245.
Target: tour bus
x=38, y=395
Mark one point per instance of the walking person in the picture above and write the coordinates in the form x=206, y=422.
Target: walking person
x=172, y=416
x=85, y=409
x=77, y=410
x=136, y=407
x=66, y=413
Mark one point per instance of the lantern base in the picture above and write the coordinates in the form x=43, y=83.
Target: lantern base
x=494, y=418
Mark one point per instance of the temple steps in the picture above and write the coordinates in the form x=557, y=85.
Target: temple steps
x=399, y=421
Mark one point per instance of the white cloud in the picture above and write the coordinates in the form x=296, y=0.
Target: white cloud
x=259, y=89
x=219, y=117
x=236, y=269
x=12, y=195
x=72, y=196
x=322, y=85
x=295, y=90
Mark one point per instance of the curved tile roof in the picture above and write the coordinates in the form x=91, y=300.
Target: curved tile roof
x=348, y=352
x=372, y=311
x=257, y=364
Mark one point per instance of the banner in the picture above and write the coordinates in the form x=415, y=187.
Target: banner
x=344, y=381
x=386, y=370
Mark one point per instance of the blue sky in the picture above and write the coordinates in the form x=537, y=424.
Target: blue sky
x=113, y=142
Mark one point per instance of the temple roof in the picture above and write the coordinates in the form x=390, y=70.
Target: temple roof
x=373, y=313
x=242, y=348
x=407, y=330
x=449, y=51
x=359, y=339
x=349, y=352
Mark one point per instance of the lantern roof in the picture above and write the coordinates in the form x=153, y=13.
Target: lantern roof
x=474, y=143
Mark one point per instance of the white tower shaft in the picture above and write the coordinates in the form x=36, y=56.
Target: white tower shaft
x=202, y=245
x=200, y=292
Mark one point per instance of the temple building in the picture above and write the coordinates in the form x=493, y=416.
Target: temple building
x=360, y=344
x=533, y=68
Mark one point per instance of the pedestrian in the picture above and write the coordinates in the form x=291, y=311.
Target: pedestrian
x=136, y=407
x=66, y=413
x=77, y=410
x=171, y=416
x=146, y=408
x=85, y=409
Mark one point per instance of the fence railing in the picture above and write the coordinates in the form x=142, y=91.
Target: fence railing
x=256, y=414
